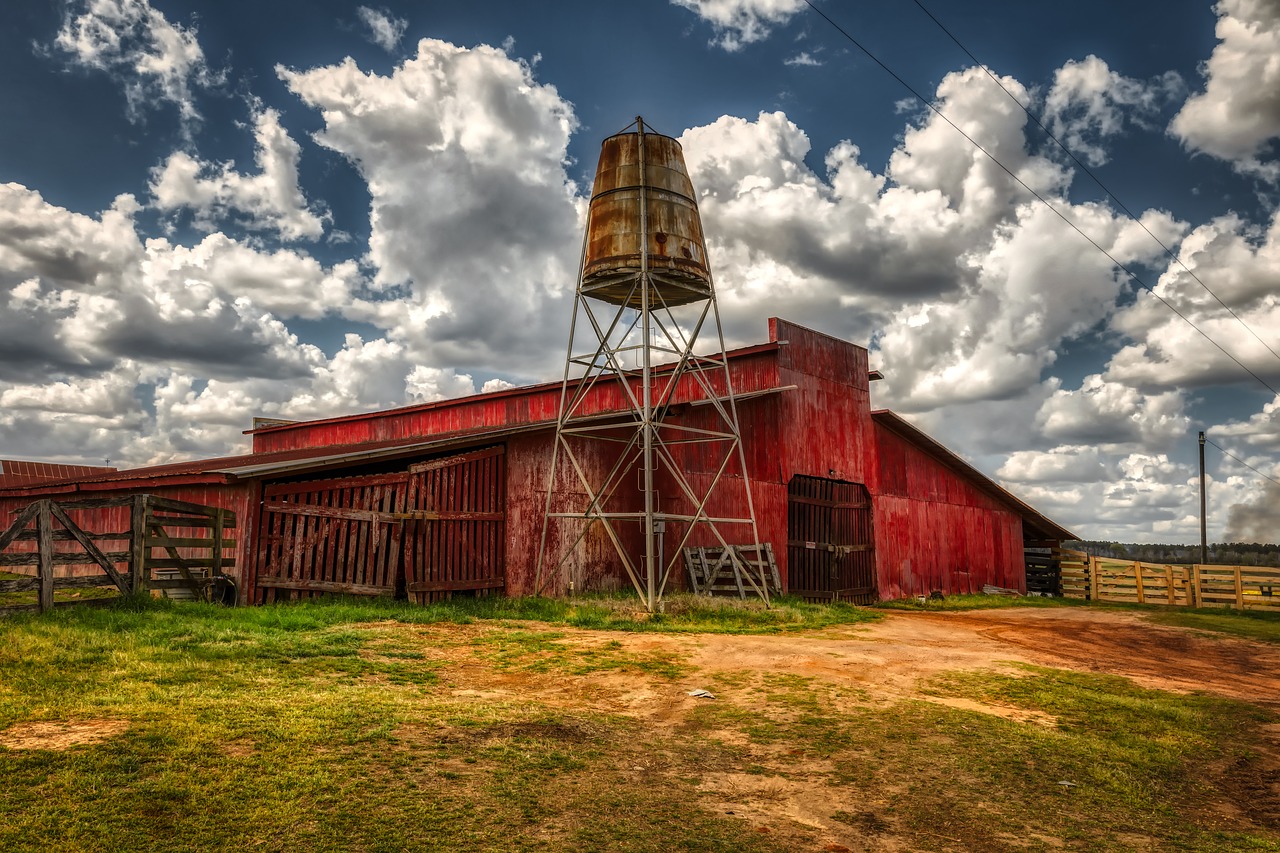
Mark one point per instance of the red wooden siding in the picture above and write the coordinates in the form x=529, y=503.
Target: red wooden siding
x=937, y=530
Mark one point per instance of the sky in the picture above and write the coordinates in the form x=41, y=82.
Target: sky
x=211, y=211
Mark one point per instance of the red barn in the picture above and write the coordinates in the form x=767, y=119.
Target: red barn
x=450, y=496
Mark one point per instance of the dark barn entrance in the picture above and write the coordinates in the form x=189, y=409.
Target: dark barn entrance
x=435, y=529
x=830, y=550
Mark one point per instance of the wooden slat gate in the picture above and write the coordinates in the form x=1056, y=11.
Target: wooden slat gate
x=830, y=549
x=458, y=539
x=436, y=528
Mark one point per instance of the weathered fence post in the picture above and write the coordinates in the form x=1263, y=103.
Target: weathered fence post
x=218, y=521
x=1093, y=578
x=1137, y=579
x=1196, y=592
x=138, y=544
x=44, y=526
x=1239, y=579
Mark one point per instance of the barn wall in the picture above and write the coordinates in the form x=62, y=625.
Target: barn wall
x=594, y=564
x=824, y=426
x=935, y=530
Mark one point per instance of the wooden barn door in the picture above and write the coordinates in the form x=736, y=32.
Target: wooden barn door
x=334, y=535
x=457, y=542
x=830, y=550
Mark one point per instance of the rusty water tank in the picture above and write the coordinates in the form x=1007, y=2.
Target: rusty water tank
x=677, y=252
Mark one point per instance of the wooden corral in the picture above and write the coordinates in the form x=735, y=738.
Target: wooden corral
x=858, y=505
x=1136, y=582
x=57, y=551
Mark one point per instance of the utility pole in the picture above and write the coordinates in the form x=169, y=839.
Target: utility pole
x=1204, y=542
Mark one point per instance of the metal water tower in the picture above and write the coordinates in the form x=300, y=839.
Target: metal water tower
x=645, y=299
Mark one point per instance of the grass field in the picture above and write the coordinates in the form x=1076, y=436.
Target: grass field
x=551, y=725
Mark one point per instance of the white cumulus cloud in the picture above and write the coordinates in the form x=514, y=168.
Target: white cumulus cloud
x=153, y=58
x=384, y=29
x=1236, y=117
x=215, y=192
x=737, y=23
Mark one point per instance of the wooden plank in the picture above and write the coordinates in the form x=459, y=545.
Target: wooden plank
x=189, y=562
x=184, y=566
x=333, y=512
x=95, y=503
x=24, y=518
x=90, y=548
x=65, y=536
x=20, y=584
x=186, y=521
x=205, y=542
x=323, y=586
x=33, y=558
x=452, y=585
x=28, y=584
x=44, y=523
x=277, y=489
x=171, y=505
x=138, y=550
x=218, y=545
x=461, y=458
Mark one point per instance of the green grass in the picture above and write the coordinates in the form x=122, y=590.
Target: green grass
x=305, y=727
x=342, y=725
x=976, y=601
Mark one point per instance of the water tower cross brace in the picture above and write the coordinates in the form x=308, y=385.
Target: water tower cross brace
x=644, y=300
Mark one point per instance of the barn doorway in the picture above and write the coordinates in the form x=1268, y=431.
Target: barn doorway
x=436, y=529
x=830, y=548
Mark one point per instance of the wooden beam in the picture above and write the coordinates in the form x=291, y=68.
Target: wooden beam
x=324, y=586
x=442, y=586
x=138, y=549
x=44, y=523
x=90, y=548
x=33, y=558
x=23, y=519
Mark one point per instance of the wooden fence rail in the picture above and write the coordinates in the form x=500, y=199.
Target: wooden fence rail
x=44, y=537
x=1133, y=581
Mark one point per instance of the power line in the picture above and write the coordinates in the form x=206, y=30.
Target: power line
x=1242, y=462
x=938, y=112
x=1168, y=251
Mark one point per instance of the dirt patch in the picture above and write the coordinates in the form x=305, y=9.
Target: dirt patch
x=880, y=664
x=1119, y=643
x=60, y=736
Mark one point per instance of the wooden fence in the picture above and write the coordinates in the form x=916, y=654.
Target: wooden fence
x=46, y=543
x=1133, y=581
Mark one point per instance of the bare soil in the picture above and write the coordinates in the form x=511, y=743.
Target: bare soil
x=60, y=735
x=883, y=663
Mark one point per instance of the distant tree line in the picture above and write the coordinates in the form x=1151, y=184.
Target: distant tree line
x=1221, y=553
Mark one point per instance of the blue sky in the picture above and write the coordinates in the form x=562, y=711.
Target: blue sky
x=212, y=211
